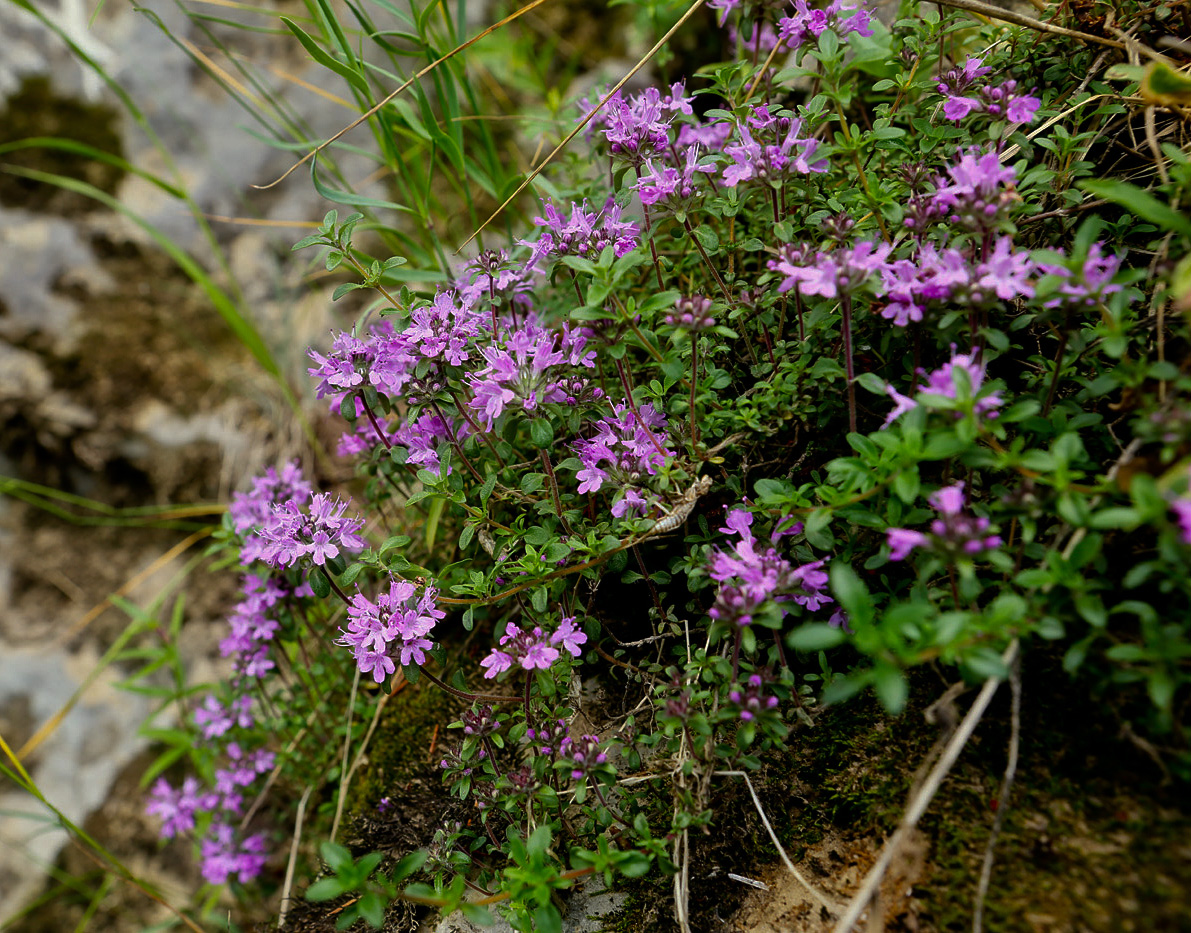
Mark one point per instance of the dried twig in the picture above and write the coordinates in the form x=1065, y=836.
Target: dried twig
x=293, y=858
x=923, y=798
x=1020, y=19
x=1003, y=800
x=823, y=900
x=344, y=774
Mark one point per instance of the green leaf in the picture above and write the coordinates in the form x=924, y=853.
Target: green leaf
x=372, y=908
x=817, y=636
x=851, y=593
x=480, y=916
x=353, y=77
x=906, y=485
x=408, y=865
x=1139, y=203
x=320, y=584
x=541, y=432
x=326, y=889
x=891, y=687
x=337, y=857
x=547, y=920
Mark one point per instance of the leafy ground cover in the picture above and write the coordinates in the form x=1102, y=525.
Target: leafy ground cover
x=836, y=376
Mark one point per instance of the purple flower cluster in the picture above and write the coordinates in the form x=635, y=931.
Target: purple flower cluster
x=585, y=234
x=398, y=622
x=953, y=532
x=672, y=189
x=254, y=622
x=1004, y=100
x=942, y=382
x=750, y=577
x=692, y=314
x=224, y=854
x=1086, y=286
x=214, y=719
x=751, y=701
x=623, y=448
x=978, y=194
x=945, y=277
x=177, y=807
x=535, y=649
x=320, y=532
x=806, y=24
x=251, y=511
x=529, y=366
x=1182, y=515
x=775, y=153
x=638, y=128
x=844, y=270
x=582, y=754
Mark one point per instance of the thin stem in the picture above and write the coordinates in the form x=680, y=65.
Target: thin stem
x=599, y=793
x=706, y=261
x=1054, y=379
x=628, y=394
x=464, y=695
x=455, y=442
x=849, y=367
x=481, y=434
x=653, y=250
x=549, y=468
x=375, y=424
x=694, y=382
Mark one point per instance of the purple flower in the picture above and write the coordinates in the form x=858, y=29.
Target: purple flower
x=807, y=24
x=751, y=577
x=751, y=701
x=902, y=541
x=1182, y=515
x=399, y=620
x=633, y=501
x=319, y=533
x=639, y=128
x=531, y=366
x=1005, y=272
x=768, y=160
x=1086, y=285
x=539, y=655
x=1022, y=109
x=582, y=754
x=214, y=719
x=569, y=636
x=669, y=188
x=224, y=856
x=943, y=382
x=957, y=108
x=533, y=649
x=975, y=197
x=692, y=314
x=496, y=662
x=843, y=270
x=177, y=808
x=622, y=448
x=953, y=533
x=585, y=234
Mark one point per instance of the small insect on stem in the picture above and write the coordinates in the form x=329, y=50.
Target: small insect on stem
x=683, y=508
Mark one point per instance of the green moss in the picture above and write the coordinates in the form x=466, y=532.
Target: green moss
x=400, y=748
